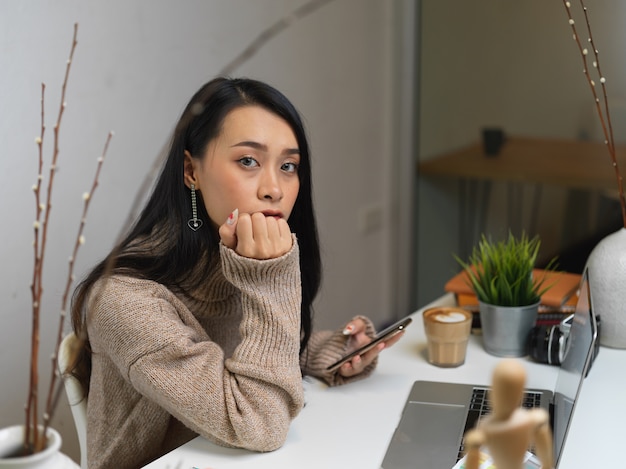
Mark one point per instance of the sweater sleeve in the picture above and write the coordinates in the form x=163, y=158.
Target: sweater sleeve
x=325, y=348
x=247, y=400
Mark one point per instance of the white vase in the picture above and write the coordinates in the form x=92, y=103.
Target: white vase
x=11, y=439
x=607, y=280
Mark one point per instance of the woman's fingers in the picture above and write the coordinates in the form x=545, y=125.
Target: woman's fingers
x=261, y=237
x=360, y=362
x=356, y=330
x=228, y=229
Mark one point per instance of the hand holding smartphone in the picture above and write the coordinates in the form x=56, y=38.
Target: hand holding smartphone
x=382, y=336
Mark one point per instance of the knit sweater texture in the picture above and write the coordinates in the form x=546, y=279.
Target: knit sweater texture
x=222, y=362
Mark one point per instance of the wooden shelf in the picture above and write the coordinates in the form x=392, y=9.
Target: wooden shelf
x=576, y=164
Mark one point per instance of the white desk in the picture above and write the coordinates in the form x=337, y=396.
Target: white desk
x=350, y=426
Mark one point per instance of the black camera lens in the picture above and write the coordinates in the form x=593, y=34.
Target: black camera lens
x=544, y=344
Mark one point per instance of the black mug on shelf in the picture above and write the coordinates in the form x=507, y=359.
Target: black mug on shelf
x=493, y=139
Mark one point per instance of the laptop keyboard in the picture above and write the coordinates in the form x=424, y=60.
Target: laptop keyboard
x=481, y=406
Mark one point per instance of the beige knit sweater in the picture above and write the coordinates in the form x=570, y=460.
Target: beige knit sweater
x=222, y=362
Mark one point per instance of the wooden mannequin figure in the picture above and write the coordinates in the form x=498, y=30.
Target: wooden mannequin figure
x=510, y=429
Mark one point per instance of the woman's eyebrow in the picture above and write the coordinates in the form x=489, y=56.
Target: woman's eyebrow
x=251, y=144
x=263, y=147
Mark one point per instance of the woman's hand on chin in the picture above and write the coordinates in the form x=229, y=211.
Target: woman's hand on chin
x=255, y=235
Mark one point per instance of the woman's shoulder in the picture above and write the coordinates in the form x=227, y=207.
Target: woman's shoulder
x=127, y=282
x=122, y=298
x=128, y=289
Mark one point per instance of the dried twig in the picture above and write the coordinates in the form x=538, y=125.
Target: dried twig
x=80, y=240
x=34, y=440
x=41, y=234
x=602, y=108
x=271, y=32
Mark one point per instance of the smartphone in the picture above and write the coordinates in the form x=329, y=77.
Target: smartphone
x=382, y=336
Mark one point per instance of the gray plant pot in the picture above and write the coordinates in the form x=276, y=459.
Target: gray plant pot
x=505, y=329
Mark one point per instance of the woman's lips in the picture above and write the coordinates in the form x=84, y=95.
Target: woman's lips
x=272, y=213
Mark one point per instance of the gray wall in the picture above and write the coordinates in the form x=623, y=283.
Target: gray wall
x=136, y=65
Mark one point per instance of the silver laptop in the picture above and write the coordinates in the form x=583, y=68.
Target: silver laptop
x=436, y=415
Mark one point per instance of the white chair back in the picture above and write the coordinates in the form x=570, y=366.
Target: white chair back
x=75, y=396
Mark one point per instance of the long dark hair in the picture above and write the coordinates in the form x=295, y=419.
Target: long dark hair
x=169, y=256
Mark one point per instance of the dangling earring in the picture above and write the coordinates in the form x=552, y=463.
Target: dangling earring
x=195, y=223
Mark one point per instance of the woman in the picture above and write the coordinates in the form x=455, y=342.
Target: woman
x=199, y=322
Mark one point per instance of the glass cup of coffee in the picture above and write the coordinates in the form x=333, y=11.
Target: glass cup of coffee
x=447, y=332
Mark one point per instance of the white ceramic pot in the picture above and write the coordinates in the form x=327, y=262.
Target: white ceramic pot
x=607, y=280
x=50, y=458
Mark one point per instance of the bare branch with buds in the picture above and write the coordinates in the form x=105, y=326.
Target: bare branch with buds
x=34, y=440
x=602, y=106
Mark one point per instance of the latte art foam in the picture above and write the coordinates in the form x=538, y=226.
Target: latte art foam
x=450, y=317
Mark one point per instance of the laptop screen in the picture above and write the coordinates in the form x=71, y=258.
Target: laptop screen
x=579, y=349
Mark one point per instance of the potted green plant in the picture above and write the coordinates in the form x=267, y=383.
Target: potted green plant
x=501, y=275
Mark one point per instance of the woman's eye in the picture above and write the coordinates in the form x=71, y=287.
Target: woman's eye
x=290, y=167
x=248, y=161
